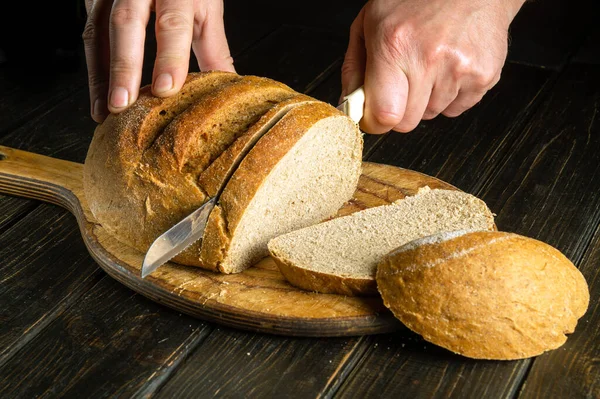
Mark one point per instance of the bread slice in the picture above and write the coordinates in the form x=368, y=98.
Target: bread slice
x=143, y=179
x=485, y=295
x=299, y=173
x=214, y=177
x=340, y=256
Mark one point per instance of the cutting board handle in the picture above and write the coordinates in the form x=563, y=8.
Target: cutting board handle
x=30, y=175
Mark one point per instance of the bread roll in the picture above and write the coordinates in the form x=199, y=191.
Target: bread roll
x=484, y=295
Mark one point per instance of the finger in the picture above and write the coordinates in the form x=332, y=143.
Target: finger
x=444, y=92
x=174, y=27
x=386, y=93
x=353, y=68
x=128, y=22
x=419, y=92
x=97, y=56
x=209, y=41
x=464, y=101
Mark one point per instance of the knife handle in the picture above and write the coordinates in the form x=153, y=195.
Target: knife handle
x=355, y=103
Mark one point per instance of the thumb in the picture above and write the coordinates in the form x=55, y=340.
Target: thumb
x=353, y=68
x=386, y=93
x=209, y=41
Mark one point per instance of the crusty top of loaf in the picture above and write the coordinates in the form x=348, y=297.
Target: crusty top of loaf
x=219, y=171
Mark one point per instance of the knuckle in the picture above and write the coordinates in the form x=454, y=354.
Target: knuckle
x=172, y=21
x=396, y=38
x=436, y=54
x=171, y=59
x=462, y=67
x=89, y=31
x=121, y=16
x=486, y=78
x=122, y=64
x=97, y=82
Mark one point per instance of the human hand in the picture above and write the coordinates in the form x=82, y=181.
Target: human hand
x=418, y=58
x=114, y=38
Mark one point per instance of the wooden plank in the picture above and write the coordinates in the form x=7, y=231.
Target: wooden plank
x=112, y=342
x=41, y=275
x=558, y=201
x=547, y=188
x=13, y=209
x=258, y=365
x=545, y=33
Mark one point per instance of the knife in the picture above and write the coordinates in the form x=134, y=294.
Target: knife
x=191, y=228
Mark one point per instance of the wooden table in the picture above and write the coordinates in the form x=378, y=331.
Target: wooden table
x=530, y=149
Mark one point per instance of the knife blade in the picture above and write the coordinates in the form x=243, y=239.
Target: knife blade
x=191, y=228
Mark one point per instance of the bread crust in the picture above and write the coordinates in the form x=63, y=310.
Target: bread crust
x=325, y=283
x=248, y=178
x=485, y=295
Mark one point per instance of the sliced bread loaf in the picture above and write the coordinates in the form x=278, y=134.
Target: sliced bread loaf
x=299, y=173
x=341, y=255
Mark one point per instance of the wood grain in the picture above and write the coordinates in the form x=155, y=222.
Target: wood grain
x=258, y=299
x=37, y=284
x=111, y=342
x=261, y=366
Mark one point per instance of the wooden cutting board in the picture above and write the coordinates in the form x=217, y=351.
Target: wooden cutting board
x=258, y=299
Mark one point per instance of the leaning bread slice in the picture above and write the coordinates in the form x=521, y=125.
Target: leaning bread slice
x=340, y=256
x=299, y=173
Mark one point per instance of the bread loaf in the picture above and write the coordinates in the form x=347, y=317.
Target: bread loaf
x=341, y=255
x=485, y=295
x=158, y=161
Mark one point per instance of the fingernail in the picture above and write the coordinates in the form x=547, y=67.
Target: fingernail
x=119, y=97
x=163, y=83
